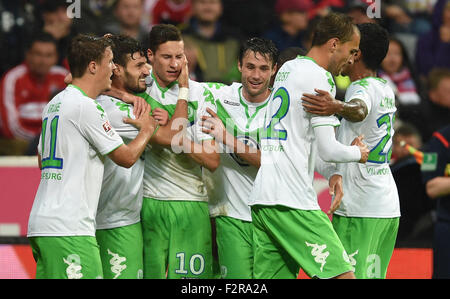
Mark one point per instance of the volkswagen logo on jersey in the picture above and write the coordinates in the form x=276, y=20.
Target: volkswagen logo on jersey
x=248, y=141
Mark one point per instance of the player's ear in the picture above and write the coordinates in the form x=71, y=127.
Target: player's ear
x=357, y=56
x=118, y=70
x=333, y=44
x=150, y=56
x=92, y=67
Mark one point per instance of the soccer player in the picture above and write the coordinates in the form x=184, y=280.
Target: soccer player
x=241, y=110
x=290, y=229
x=76, y=136
x=175, y=214
x=367, y=219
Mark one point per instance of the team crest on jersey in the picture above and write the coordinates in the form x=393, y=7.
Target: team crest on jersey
x=247, y=140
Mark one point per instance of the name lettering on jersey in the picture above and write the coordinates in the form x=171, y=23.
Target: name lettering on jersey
x=378, y=171
x=73, y=269
x=116, y=263
x=100, y=108
x=54, y=108
x=318, y=253
x=363, y=83
x=281, y=76
x=273, y=148
x=51, y=176
x=215, y=85
x=388, y=103
x=330, y=81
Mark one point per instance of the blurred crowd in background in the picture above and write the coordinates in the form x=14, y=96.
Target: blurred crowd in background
x=34, y=36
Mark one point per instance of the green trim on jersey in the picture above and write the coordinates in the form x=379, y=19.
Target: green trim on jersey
x=163, y=89
x=74, y=86
x=249, y=118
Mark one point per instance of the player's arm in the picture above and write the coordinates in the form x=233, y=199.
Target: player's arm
x=331, y=150
x=214, y=126
x=127, y=154
x=438, y=187
x=205, y=154
x=335, y=187
x=39, y=161
x=324, y=104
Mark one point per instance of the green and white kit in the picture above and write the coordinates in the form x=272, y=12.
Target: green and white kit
x=76, y=135
x=174, y=179
x=283, y=190
x=368, y=216
x=119, y=234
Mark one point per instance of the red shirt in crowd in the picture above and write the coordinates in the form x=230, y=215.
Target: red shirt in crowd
x=23, y=98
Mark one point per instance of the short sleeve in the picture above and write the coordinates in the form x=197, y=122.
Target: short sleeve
x=96, y=128
x=359, y=90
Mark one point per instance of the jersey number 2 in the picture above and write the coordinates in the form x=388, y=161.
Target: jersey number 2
x=51, y=161
x=270, y=131
x=378, y=154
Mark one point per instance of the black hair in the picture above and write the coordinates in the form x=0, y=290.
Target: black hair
x=374, y=44
x=259, y=45
x=161, y=34
x=123, y=45
x=289, y=54
x=41, y=37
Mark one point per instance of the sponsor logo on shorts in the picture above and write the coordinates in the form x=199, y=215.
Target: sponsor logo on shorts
x=73, y=269
x=116, y=263
x=318, y=253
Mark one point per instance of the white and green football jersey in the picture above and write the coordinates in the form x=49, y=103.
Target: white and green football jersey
x=121, y=195
x=370, y=189
x=76, y=136
x=288, y=148
x=169, y=175
x=229, y=186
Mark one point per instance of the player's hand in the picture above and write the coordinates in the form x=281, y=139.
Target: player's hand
x=144, y=121
x=183, y=78
x=161, y=116
x=335, y=189
x=321, y=103
x=213, y=125
x=358, y=141
x=139, y=104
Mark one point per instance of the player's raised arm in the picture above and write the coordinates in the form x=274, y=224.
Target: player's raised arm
x=127, y=154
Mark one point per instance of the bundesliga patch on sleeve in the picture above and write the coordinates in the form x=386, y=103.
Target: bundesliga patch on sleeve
x=108, y=129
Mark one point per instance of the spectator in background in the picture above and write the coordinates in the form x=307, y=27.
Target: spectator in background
x=433, y=48
x=416, y=222
x=292, y=23
x=191, y=52
x=27, y=88
x=397, y=69
x=56, y=22
x=407, y=16
x=436, y=111
x=357, y=9
x=129, y=14
x=437, y=182
x=95, y=16
x=217, y=45
x=17, y=19
x=175, y=12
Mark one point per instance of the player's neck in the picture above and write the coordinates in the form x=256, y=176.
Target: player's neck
x=87, y=86
x=256, y=98
x=361, y=72
x=319, y=56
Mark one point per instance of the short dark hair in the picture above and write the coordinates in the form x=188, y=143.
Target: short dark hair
x=162, y=33
x=82, y=50
x=259, y=45
x=435, y=77
x=374, y=44
x=122, y=45
x=333, y=25
x=289, y=54
x=41, y=37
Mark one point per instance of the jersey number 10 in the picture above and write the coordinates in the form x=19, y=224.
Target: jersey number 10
x=51, y=161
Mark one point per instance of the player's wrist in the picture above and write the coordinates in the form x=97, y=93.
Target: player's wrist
x=183, y=93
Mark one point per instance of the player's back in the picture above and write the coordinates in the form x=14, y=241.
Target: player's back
x=75, y=135
x=288, y=146
x=370, y=189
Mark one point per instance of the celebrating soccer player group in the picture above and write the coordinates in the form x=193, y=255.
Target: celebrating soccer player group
x=148, y=174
